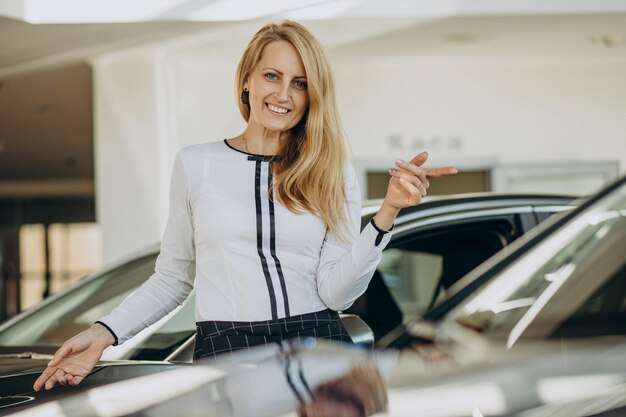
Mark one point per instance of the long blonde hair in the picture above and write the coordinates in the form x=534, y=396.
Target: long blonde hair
x=309, y=176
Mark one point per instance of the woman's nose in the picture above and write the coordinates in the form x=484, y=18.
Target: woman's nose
x=282, y=92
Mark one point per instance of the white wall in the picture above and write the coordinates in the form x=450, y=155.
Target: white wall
x=205, y=101
x=505, y=111
x=518, y=112
x=133, y=157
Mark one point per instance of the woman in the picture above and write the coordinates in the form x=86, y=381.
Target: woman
x=266, y=222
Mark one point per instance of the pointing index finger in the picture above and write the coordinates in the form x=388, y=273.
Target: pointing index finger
x=438, y=172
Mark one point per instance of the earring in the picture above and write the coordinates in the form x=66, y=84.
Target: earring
x=245, y=97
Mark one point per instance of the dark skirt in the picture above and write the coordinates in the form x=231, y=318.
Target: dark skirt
x=215, y=337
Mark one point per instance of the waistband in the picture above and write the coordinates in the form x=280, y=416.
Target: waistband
x=277, y=327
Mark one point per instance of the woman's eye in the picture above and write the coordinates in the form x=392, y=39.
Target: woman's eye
x=300, y=84
x=271, y=76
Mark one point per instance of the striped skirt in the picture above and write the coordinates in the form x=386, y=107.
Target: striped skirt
x=215, y=337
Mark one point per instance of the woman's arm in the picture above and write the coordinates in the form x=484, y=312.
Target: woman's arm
x=174, y=273
x=161, y=293
x=346, y=268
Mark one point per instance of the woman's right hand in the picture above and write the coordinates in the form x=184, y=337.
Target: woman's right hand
x=76, y=358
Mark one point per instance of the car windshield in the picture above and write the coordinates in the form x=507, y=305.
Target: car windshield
x=572, y=284
x=48, y=325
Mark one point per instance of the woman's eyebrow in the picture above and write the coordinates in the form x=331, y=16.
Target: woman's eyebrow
x=281, y=73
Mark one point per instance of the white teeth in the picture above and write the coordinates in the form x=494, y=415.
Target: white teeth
x=277, y=109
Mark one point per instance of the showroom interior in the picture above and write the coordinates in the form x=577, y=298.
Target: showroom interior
x=95, y=102
x=136, y=267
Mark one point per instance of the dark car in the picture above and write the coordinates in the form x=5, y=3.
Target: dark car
x=543, y=334
x=425, y=238
x=437, y=243
x=576, y=262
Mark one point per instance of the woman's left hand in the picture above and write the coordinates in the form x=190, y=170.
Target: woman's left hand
x=409, y=183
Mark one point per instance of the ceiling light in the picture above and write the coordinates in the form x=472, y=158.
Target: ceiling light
x=608, y=40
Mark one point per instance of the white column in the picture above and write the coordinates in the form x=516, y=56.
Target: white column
x=133, y=150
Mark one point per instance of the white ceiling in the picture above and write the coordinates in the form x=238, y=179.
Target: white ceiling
x=34, y=56
x=26, y=45
x=489, y=38
x=117, y=11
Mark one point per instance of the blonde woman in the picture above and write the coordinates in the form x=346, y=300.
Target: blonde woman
x=266, y=223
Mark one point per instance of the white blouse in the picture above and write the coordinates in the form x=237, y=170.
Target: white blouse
x=250, y=257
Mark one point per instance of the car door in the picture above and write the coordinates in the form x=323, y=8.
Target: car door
x=426, y=256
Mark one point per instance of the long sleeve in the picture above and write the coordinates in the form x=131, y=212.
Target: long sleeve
x=174, y=273
x=346, y=268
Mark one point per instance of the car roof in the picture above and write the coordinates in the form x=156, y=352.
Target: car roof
x=438, y=205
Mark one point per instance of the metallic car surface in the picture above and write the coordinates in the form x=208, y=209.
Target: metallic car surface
x=575, y=379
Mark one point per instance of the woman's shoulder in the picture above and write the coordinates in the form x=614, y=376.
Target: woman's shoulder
x=348, y=169
x=203, y=148
x=200, y=152
x=349, y=173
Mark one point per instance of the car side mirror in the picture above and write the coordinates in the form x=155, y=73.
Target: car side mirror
x=360, y=333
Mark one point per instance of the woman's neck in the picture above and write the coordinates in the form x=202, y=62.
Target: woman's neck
x=263, y=142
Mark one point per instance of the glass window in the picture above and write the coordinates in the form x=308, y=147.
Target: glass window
x=73, y=252
x=420, y=269
x=573, y=284
x=77, y=309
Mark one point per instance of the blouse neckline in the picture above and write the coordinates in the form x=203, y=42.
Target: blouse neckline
x=248, y=153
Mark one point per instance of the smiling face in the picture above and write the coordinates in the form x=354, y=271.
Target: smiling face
x=278, y=89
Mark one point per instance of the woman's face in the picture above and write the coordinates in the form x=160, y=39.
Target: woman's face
x=278, y=88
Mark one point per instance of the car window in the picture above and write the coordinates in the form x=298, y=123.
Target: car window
x=419, y=269
x=603, y=313
x=422, y=263
x=573, y=284
x=77, y=309
x=168, y=337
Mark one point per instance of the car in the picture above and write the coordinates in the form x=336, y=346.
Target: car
x=426, y=236
x=506, y=297
x=437, y=243
x=543, y=334
x=423, y=235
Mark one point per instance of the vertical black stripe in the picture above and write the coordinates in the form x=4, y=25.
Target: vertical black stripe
x=259, y=239
x=290, y=381
x=283, y=286
x=301, y=374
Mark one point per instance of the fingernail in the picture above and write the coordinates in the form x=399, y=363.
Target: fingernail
x=49, y=363
x=399, y=161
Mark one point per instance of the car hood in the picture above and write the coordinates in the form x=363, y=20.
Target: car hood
x=18, y=373
x=270, y=382
x=26, y=363
x=534, y=377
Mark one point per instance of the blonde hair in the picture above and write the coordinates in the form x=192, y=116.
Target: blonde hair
x=309, y=175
